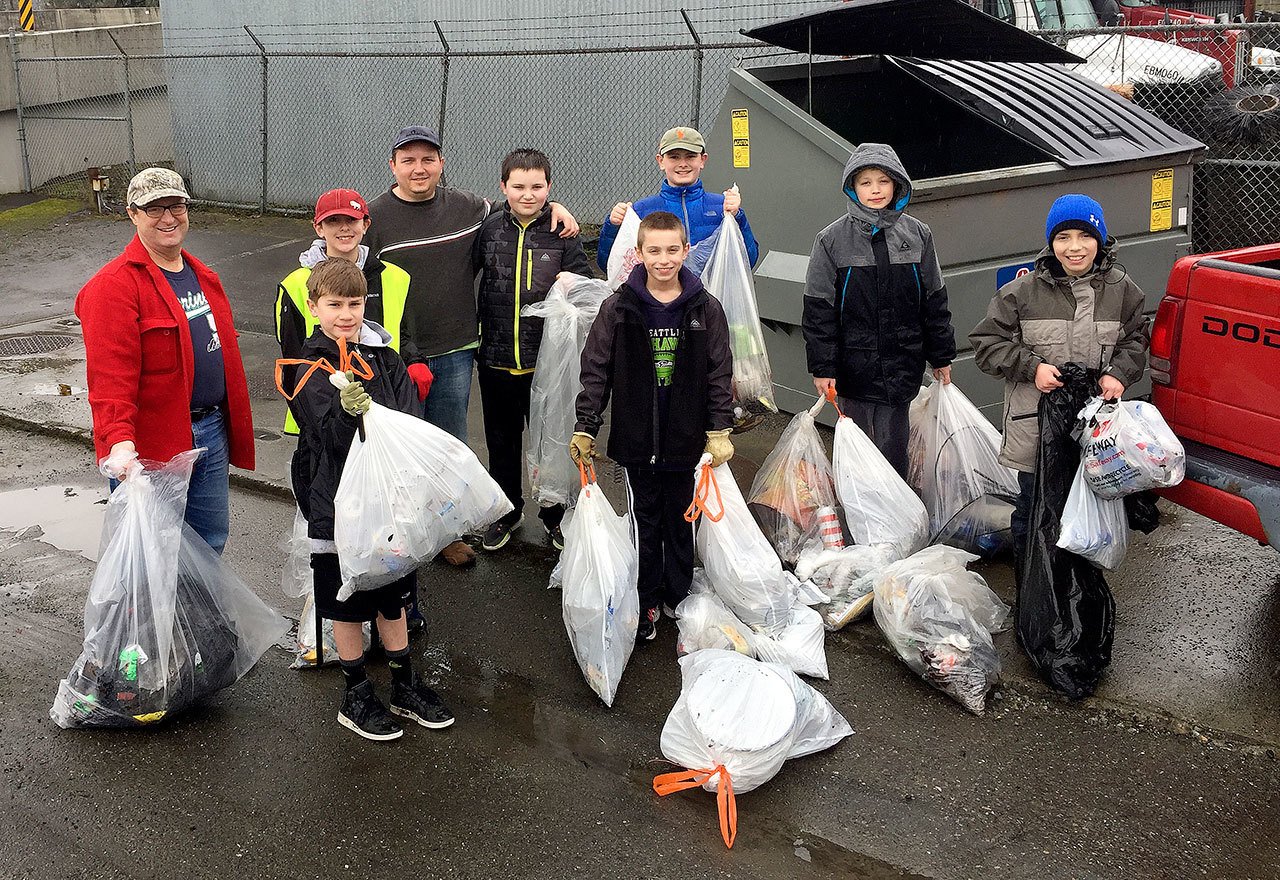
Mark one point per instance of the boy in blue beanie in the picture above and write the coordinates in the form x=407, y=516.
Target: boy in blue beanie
x=875, y=305
x=1074, y=307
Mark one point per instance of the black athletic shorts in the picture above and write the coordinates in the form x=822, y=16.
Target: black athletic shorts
x=362, y=605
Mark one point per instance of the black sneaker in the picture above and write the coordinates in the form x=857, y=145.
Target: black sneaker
x=498, y=534
x=647, y=629
x=421, y=704
x=556, y=536
x=364, y=713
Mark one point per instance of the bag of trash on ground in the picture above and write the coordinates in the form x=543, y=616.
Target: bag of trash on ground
x=793, y=496
x=167, y=622
x=727, y=277
x=295, y=577
x=567, y=312
x=622, y=256
x=879, y=507
x=408, y=490
x=1093, y=527
x=305, y=640
x=846, y=577
x=1066, y=613
x=1128, y=448
x=601, y=607
x=741, y=566
x=734, y=724
x=969, y=494
x=705, y=621
x=939, y=616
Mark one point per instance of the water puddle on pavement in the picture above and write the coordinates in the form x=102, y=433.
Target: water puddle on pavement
x=522, y=712
x=68, y=517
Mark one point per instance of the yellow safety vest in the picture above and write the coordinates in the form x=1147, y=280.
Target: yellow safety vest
x=395, y=292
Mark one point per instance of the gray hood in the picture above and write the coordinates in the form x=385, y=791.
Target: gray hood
x=373, y=335
x=877, y=156
x=315, y=255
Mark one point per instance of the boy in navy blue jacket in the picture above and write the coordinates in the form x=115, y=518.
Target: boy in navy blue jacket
x=660, y=348
x=327, y=421
x=682, y=154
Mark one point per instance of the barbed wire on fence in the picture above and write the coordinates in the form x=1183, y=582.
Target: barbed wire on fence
x=267, y=117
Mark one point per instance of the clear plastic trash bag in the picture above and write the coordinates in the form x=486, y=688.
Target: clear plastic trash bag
x=746, y=717
x=567, y=313
x=622, y=256
x=305, y=640
x=846, y=576
x=295, y=576
x=1129, y=448
x=407, y=491
x=1093, y=527
x=167, y=622
x=599, y=569
x=879, y=507
x=704, y=621
x=727, y=277
x=699, y=253
x=939, y=617
x=741, y=566
x=968, y=493
x=794, y=488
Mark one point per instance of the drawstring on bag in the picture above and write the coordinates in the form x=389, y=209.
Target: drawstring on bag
x=348, y=361
x=702, y=493
x=670, y=783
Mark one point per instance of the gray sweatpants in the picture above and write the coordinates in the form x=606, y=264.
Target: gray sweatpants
x=887, y=425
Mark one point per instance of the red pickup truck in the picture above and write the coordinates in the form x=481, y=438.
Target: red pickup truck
x=1215, y=372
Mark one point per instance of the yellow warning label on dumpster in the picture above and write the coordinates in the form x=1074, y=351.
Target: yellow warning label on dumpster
x=1162, y=200
x=741, y=139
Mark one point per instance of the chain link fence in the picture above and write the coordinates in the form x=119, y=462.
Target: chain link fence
x=267, y=118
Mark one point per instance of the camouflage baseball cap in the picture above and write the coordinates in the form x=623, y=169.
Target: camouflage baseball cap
x=150, y=184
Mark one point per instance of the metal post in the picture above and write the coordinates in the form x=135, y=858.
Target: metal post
x=262, y=204
x=809, y=108
x=444, y=85
x=697, y=71
x=128, y=105
x=22, y=128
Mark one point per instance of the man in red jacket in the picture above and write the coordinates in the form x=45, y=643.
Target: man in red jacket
x=163, y=363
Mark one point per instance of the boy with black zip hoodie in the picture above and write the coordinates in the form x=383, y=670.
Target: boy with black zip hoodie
x=875, y=305
x=518, y=258
x=328, y=420
x=660, y=348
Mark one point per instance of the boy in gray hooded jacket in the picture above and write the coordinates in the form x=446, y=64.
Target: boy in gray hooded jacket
x=875, y=304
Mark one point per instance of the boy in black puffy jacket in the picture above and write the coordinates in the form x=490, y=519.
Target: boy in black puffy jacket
x=519, y=258
x=328, y=420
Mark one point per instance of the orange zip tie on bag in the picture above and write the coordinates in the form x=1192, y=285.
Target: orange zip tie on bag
x=347, y=361
x=584, y=470
x=670, y=783
x=701, y=493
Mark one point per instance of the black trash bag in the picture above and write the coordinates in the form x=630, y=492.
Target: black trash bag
x=1140, y=508
x=1066, y=614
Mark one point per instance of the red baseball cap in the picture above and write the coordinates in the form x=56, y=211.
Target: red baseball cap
x=344, y=202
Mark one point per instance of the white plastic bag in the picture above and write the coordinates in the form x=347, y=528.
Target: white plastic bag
x=167, y=622
x=742, y=567
x=622, y=256
x=1093, y=527
x=601, y=606
x=295, y=577
x=704, y=621
x=968, y=493
x=408, y=490
x=735, y=723
x=879, y=507
x=794, y=488
x=938, y=617
x=305, y=640
x=567, y=313
x=727, y=277
x=1129, y=448
x=846, y=576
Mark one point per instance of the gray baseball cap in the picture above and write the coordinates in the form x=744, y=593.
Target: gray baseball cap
x=150, y=184
x=415, y=133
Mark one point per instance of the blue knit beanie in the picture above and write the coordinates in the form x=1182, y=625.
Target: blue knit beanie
x=1076, y=212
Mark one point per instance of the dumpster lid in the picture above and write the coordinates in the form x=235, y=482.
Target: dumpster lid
x=947, y=29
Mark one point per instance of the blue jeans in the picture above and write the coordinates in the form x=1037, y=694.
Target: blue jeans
x=446, y=405
x=208, y=511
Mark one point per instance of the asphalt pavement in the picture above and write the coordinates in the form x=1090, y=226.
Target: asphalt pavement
x=1169, y=772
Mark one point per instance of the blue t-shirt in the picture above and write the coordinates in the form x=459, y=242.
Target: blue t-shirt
x=209, y=387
